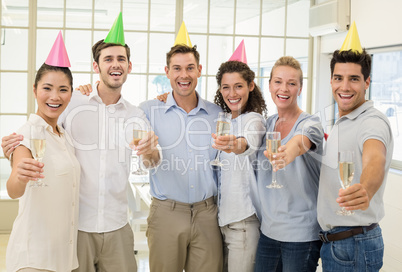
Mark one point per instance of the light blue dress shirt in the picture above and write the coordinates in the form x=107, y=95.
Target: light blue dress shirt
x=185, y=173
x=290, y=214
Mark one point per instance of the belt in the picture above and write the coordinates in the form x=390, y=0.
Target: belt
x=324, y=237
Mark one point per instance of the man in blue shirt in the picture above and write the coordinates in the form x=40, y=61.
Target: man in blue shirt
x=183, y=231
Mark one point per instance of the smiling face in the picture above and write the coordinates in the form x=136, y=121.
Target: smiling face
x=53, y=93
x=348, y=87
x=285, y=86
x=235, y=92
x=183, y=73
x=113, y=66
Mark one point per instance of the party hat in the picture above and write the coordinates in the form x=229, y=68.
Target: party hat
x=240, y=53
x=116, y=33
x=352, y=41
x=58, y=54
x=182, y=37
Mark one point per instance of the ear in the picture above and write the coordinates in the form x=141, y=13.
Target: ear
x=130, y=67
x=251, y=86
x=34, y=91
x=367, y=83
x=299, y=92
x=96, y=67
x=199, y=70
x=167, y=71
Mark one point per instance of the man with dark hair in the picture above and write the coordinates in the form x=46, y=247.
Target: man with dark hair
x=353, y=242
x=183, y=231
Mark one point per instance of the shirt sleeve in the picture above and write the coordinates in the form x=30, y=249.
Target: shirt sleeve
x=311, y=128
x=374, y=128
x=253, y=130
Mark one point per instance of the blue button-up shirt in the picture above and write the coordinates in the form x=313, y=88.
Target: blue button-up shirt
x=185, y=173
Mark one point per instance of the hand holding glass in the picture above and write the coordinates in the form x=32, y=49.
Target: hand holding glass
x=138, y=135
x=222, y=129
x=38, y=147
x=273, y=143
x=346, y=173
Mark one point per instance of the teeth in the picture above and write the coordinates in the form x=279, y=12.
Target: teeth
x=283, y=96
x=345, y=95
x=54, y=105
x=184, y=83
x=234, y=101
x=115, y=74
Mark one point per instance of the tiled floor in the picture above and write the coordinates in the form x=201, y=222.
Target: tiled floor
x=142, y=256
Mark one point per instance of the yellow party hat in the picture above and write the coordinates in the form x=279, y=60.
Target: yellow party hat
x=182, y=37
x=352, y=41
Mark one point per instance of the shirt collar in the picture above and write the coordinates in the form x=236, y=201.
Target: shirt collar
x=94, y=95
x=39, y=121
x=355, y=113
x=171, y=103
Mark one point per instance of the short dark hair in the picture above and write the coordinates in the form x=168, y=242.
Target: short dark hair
x=100, y=45
x=363, y=59
x=182, y=49
x=256, y=102
x=44, y=69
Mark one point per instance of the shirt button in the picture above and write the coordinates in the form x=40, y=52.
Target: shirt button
x=192, y=186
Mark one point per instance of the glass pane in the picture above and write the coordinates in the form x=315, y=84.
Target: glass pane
x=10, y=124
x=158, y=84
x=135, y=89
x=5, y=171
x=251, y=45
x=212, y=87
x=79, y=53
x=302, y=99
x=14, y=12
x=79, y=13
x=201, y=42
x=273, y=17
x=298, y=18
x=14, y=49
x=44, y=42
x=195, y=15
x=106, y=12
x=386, y=92
x=248, y=17
x=13, y=93
x=271, y=51
x=100, y=35
x=81, y=79
x=159, y=45
x=298, y=48
x=163, y=14
x=220, y=50
x=138, y=43
x=135, y=15
x=50, y=13
x=202, y=87
x=221, y=16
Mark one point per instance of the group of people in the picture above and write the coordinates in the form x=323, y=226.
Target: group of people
x=201, y=218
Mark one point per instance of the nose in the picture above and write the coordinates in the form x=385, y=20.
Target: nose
x=232, y=91
x=54, y=95
x=183, y=73
x=345, y=85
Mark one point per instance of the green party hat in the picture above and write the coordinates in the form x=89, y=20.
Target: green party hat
x=116, y=33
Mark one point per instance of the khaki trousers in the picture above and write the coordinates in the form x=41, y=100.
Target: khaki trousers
x=106, y=252
x=184, y=236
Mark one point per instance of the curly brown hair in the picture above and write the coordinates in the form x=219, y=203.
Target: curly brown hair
x=256, y=102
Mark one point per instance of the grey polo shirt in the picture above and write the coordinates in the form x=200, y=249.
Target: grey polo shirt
x=349, y=133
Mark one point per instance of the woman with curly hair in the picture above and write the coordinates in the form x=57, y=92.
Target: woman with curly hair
x=238, y=202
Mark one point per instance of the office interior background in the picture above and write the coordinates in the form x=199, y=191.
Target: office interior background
x=270, y=29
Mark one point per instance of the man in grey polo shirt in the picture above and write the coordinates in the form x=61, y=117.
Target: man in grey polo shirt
x=355, y=241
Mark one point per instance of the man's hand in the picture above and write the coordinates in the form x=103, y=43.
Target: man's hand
x=354, y=198
x=8, y=143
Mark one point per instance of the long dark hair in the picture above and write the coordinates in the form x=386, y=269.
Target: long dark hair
x=256, y=102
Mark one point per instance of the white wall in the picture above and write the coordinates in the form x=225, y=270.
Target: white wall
x=379, y=24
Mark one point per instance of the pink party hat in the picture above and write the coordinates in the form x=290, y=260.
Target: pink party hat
x=240, y=53
x=58, y=55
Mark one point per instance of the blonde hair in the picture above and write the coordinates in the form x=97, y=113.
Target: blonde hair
x=288, y=61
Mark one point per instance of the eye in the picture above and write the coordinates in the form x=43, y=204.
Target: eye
x=47, y=88
x=292, y=84
x=190, y=68
x=63, y=90
x=122, y=59
x=277, y=82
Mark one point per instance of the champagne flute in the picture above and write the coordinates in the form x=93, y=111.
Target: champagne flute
x=38, y=147
x=138, y=134
x=346, y=173
x=222, y=129
x=273, y=143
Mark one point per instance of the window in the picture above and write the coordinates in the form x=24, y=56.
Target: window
x=386, y=92
x=270, y=29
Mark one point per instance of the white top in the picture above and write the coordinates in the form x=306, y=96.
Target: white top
x=350, y=133
x=237, y=190
x=101, y=135
x=44, y=234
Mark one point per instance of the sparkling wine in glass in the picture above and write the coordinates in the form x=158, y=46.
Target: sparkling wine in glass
x=38, y=147
x=346, y=173
x=138, y=135
x=273, y=143
x=222, y=129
